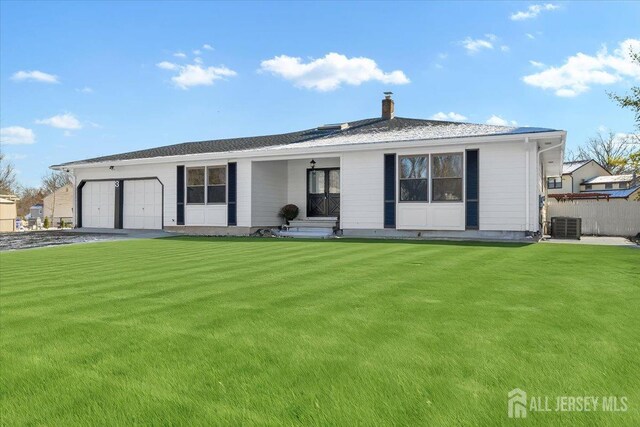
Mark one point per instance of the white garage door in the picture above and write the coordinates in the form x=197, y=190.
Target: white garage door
x=98, y=204
x=142, y=204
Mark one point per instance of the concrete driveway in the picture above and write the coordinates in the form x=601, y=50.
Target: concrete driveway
x=44, y=238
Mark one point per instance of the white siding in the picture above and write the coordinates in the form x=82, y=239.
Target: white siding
x=503, y=190
x=297, y=181
x=209, y=215
x=243, y=215
x=269, y=192
x=362, y=202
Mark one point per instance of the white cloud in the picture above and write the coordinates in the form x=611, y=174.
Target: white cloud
x=476, y=45
x=166, y=65
x=16, y=156
x=197, y=52
x=35, y=76
x=530, y=36
x=537, y=64
x=14, y=135
x=505, y=48
x=207, y=47
x=499, y=121
x=581, y=71
x=454, y=117
x=195, y=74
x=533, y=11
x=85, y=89
x=443, y=55
x=330, y=72
x=180, y=55
x=62, y=121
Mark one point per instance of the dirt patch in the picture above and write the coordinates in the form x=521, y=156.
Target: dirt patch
x=38, y=239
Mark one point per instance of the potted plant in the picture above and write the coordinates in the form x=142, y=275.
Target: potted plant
x=289, y=212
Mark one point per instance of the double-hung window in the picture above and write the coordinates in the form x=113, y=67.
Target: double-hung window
x=414, y=185
x=207, y=185
x=446, y=177
x=217, y=184
x=554, y=183
x=195, y=185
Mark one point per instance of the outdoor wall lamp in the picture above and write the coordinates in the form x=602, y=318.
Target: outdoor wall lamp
x=313, y=164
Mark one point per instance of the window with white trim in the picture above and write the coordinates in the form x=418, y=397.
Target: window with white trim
x=216, y=184
x=446, y=177
x=195, y=186
x=414, y=179
x=554, y=183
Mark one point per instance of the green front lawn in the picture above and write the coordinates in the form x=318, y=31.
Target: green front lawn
x=244, y=331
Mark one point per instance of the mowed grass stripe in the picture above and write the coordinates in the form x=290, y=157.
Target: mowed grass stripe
x=270, y=331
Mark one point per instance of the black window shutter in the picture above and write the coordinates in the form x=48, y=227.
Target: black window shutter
x=389, y=191
x=232, y=194
x=472, y=190
x=180, y=195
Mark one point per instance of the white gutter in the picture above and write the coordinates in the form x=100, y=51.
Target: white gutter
x=291, y=150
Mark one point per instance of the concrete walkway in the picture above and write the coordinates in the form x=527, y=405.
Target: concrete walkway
x=593, y=240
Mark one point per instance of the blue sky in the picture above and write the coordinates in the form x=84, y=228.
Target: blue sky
x=85, y=79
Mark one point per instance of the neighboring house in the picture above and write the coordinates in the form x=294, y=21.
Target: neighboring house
x=63, y=208
x=573, y=174
x=8, y=212
x=36, y=211
x=607, y=205
x=610, y=183
x=384, y=176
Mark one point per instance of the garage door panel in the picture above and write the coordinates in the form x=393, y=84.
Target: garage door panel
x=143, y=204
x=98, y=204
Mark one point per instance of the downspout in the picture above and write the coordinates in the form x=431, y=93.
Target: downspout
x=543, y=178
x=527, y=179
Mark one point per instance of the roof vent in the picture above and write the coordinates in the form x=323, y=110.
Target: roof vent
x=334, y=127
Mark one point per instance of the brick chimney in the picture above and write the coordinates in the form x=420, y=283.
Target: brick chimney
x=387, y=106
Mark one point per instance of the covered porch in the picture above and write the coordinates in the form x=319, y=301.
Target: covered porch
x=312, y=184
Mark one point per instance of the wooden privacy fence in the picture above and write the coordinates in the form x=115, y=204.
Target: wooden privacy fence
x=615, y=217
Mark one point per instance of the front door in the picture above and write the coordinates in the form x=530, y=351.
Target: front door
x=323, y=192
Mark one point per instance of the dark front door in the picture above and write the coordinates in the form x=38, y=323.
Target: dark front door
x=323, y=192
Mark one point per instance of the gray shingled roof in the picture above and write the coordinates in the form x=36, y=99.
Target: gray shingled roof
x=359, y=129
x=570, y=167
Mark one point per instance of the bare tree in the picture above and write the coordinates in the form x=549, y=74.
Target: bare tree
x=52, y=182
x=7, y=176
x=611, y=150
x=631, y=100
x=29, y=196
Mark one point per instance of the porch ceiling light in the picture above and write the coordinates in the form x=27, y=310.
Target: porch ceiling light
x=313, y=164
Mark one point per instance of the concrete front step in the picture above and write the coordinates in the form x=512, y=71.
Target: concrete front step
x=314, y=223
x=307, y=234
